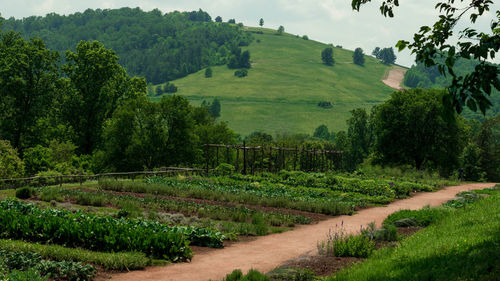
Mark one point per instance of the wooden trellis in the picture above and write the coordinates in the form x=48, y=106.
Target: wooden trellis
x=251, y=159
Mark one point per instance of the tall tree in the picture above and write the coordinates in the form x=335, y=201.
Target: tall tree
x=322, y=132
x=28, y=77
x=376, y=51
x=327, y=56
x=434, y=46
x=358, y=57
x=214, y=109
x=218, y=19
x=261, y=22
x=387, y=56
x=360, y=137
x=413, y=128
x=97, y=80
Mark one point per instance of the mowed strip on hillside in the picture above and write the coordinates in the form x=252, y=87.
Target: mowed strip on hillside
x=285, y=84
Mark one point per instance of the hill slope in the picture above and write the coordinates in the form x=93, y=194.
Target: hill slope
x=285, y=84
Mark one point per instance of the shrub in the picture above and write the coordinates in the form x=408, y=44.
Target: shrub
x=388, y=233
x=224, y=169
x=422, y=217
x=169, y=88
x=305, y=37
x=325, y=104
x=38, y=159
x=252, y=275
x=24, y=193
x=340, y=244
x=11, y=165
x=241, y=73
x=208, y=72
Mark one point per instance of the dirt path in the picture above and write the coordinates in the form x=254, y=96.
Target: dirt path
x=395, y=77
x=268, y=252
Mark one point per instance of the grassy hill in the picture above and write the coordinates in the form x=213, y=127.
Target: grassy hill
x=285, y=84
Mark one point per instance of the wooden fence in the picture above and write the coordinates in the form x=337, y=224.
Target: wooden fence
x=251, y=159
x=60, y=179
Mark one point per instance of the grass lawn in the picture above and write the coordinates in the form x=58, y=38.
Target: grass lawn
x=285, y=84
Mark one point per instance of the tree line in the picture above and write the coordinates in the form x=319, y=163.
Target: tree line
x=84, y=113
x=159, y=47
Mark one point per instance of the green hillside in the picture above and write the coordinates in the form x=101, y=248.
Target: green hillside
x=285, y=84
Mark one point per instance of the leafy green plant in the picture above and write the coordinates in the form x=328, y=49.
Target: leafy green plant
x=422, y=217
x=24, y=193
x=252, y=275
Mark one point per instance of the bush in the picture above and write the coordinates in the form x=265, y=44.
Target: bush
x=11, y=165
x=253, y=275
x=24, y=193
x=208, y=73
x=224, y=169
x=325, y=104
x=388, y=233
x=38, y=159
x=422, y=217
x=169, y=88
x=241, y=73
x=340, y=244
x=305, y=37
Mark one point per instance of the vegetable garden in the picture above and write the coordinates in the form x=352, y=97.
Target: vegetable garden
x=129, y=224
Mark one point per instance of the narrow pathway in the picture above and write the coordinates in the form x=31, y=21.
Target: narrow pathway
x=395, y=77
x=268, y=252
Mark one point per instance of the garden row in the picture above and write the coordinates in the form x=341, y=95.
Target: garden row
x=29, y=223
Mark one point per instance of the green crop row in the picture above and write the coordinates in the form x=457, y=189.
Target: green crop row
x=110, y=261
x=280, y=198
x=28, y=222
x=56, y=270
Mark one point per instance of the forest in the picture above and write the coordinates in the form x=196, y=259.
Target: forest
x=159, y=47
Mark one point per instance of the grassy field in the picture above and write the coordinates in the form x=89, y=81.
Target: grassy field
x=285, y=84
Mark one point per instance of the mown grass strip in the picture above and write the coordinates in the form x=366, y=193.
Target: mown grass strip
x=110, y=261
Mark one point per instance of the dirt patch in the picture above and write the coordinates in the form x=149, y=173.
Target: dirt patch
x=395, y=77
x=315, y=217
x=321, y=265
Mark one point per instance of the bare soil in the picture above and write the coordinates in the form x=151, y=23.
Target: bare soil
x=395, y=77
x=268, y=252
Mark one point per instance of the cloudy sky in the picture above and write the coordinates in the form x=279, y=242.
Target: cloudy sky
x=329, y=21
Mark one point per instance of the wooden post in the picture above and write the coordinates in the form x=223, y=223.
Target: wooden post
x=60, y=181
x=253, y=160
x=237, y=166
x=295, y=159
x=227, y=155
x=206, y=158
x=217, y=157
x=270, y=159
x=262, y=159
x=244, y=158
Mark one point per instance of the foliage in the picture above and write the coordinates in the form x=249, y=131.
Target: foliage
x=280, y=30
x=462, y=246
x=11, y=165
x=386, y=55
x=360, y=135
x=358, y=57
x=261, y=22
x=433, y=48
x=413, y=127
x=240, y=73
x=28, y=86
x=252, y=275
x=322, y=133
x=55, y=270
x=24, y=193
x=102, y=233
x=224, y=169
x=387, y=233
x=327, y=56
x=325, y=104
x=208, y=72
x=423, y=217
x=160, y=47
x=305, y=37
x=110, y=261
x=38, y=159
x=340, y=244
x=218, y=19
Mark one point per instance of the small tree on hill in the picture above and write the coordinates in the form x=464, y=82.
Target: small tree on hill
x=322, y=132
x=375, y=52
x=327, y=56
x=233, y=21
x=281, y=29
x=358, y=57
x=261, y=22
x=245, y=59
x=218, y=19
x=208, y=72
x=214, y=108
x=387, y=56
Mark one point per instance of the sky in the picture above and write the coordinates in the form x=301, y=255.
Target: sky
x=328, y=21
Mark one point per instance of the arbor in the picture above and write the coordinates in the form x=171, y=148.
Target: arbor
x=387, y=56
x=261, y=22
x=280, y=30
x=413, y=127
x=28, y=78
x=218, y=19
x=327, y=56
x=434, y=46
x=358, y=57
x=97, y=83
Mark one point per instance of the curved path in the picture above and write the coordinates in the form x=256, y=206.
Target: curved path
x=395, y=77
x=268, y=252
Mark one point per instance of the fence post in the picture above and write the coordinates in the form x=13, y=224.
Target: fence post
x=206, y=159
x=60, y=181
x=244, y=158
x=217, y=157
x=237, y=166
x=270, y=159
